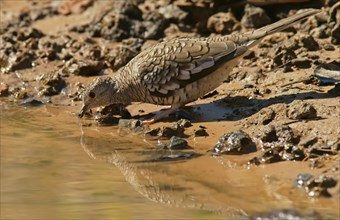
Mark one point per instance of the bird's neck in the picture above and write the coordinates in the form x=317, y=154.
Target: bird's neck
x=127, y=87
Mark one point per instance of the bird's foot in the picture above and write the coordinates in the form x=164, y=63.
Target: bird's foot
x=161, y=115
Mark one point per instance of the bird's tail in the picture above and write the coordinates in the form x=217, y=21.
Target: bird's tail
x=250, y=39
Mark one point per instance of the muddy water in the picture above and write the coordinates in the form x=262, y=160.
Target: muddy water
x=51, y=166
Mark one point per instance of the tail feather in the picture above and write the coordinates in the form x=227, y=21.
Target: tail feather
x=251, y=38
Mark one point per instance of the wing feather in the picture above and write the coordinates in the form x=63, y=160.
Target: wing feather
x=183, y=61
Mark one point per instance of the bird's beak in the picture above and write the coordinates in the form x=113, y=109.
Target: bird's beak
x=83, y=110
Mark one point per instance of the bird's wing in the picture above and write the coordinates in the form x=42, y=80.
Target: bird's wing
x=174, y=64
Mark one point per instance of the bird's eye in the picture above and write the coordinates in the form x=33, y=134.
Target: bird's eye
x=92, y=94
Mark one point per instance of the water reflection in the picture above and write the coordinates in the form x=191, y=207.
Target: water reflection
x=222, y=184
x=154, y=180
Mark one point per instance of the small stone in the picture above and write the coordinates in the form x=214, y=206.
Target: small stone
x=328, y=47
x=153, y=132
x=301, y=110
x=85, y=67
x=302, y=63
x=173, y=13
x=270, y=156
x=107, y=120
x=237, y=142
x=292, y=153
x=119, y=57
x=20, y=94
x=168, y=132
x=285, y=134
x=308, y=141
x=268, y=134
x=177, y=143
x=309, y=43
x=265, y=116
x=223, y=23
x=201, y=132
x=320, y=32
x=314, y=152
x=185, y=123
x=254, y=17
x=52, y=83
x=302, y=179
x=4, y=89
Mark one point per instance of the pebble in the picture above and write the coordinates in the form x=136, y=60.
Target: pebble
x=301, y=110
x=237, y=142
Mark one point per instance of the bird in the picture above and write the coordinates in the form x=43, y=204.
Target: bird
x=178, y=71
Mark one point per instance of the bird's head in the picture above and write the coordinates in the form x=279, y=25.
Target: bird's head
x=98, y=93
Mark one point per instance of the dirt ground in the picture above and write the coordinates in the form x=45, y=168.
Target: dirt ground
x=284, y=95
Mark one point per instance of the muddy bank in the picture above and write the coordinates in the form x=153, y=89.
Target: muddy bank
x=280, y=105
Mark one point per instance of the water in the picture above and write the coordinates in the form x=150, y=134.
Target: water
x=45, y=173
x=54, y=168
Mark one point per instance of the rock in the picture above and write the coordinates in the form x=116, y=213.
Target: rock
x=309, y=43
x=303, y=178
x=301, y=110
x=28, y=32
x=254, y=17
x=107, y=120
x=173, y=13
x=18, y=92
x=52, y=83
x=121, y=55
x=77, y=89
x=270, y=156
x=201, y=132
x=314, y=152
x=154, y=25
x=301, y=63
x=223, y=23
x=285, y=134
x=308, y=141
x=316, y=186
x=128, y=22
x=237, y=142
x=177, y=143
x=265, y=116
x=85, y=67
x=18, y=61
x=116, y=109
x=4, y=89
x=292, y=153
x=134, y=125
x=185, y=123
x=328, y=47
x=283, y=56
x=153, y=132
x=174, y=130
x=268, y=134
x=320, y=32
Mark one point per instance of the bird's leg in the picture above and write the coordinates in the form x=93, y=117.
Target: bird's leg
x=162, y=114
